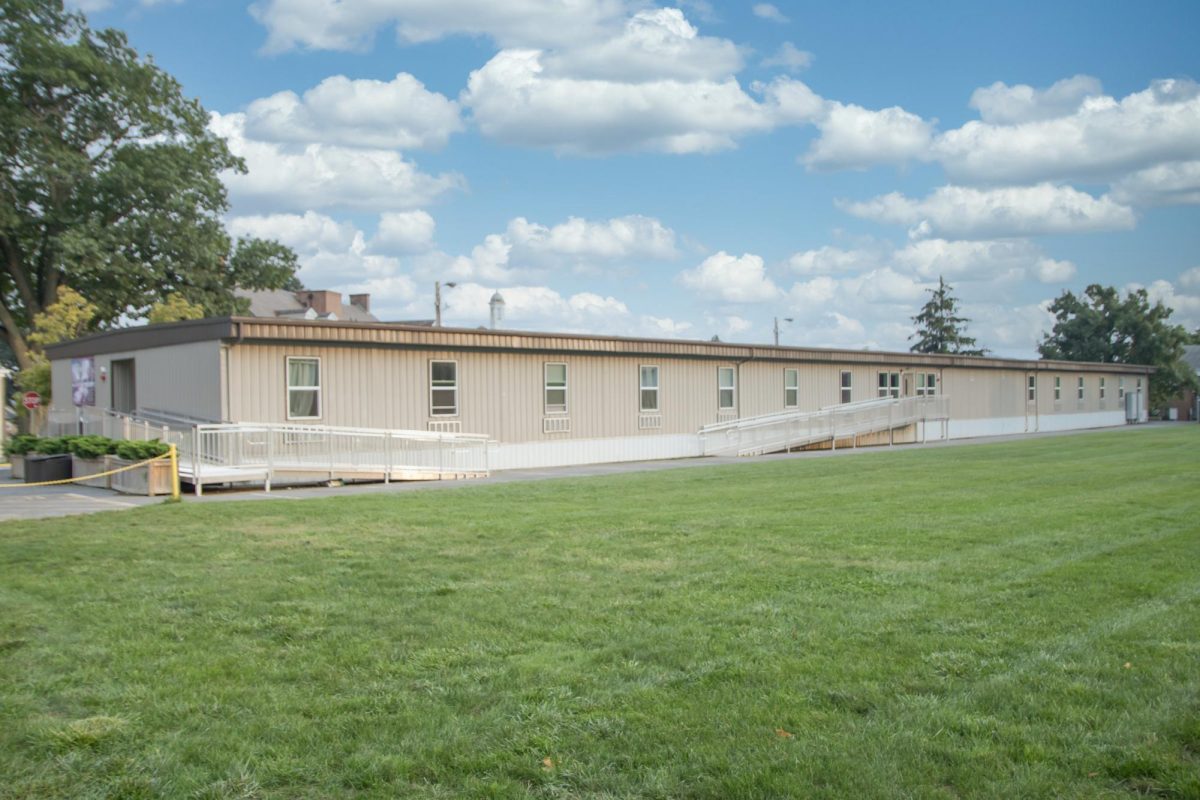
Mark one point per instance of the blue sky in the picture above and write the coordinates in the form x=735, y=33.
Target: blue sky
x=697, y=170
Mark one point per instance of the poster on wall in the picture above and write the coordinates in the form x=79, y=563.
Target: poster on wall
x=83, y=381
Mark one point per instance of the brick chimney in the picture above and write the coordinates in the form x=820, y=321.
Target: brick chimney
x=323, y=302
x=363, y=301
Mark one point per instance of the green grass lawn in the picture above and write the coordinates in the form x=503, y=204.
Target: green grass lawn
x=1003, y=620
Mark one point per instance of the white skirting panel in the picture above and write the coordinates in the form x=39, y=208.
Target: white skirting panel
x=563, y=452
x=1002, y=426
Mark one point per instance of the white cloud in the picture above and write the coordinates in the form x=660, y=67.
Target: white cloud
x=829, y=260
x=396, y=114
x=579, y=239
x=305, y=233
x=731, y=279
x=853, y=137
x=404, y=232
x=1005, y=260
x=318, y=176
x=1050, y=270
x=655, y=44
x=1184, y=301
x=1175, y=183
x=769, y=12
x=1002, y=104
x=789, y=57
x=1103, y=138
x=1190, y=279
x=513, y=99
x=969, y=213
x=351, y=24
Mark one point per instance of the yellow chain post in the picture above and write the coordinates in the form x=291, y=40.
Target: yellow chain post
x=174, y=474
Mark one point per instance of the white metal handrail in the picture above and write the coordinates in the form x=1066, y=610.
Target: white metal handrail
x=779, y=431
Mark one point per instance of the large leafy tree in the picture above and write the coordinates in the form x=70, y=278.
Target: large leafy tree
x=940, y=329
x=109, y=181
x=1102, y=326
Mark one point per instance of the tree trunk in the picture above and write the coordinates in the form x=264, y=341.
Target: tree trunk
x=15, y=340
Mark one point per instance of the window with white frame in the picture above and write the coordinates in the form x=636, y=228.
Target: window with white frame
x=889, y=384
x=791, y=388
x=1102, y=388
x=1058, y=387
x=556, y=388
x=1120, y=388
x=1031, y=388
x=443, y=388
x=304, y=388
x=726, y=388
x=1139, y=385
x=648, y=388
x=1079, y=389
x=926, y=384
x=847, y=385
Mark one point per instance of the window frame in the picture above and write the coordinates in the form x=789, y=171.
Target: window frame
x=1102, y=388
x=794, y=390
x=1058, y=388
x=643, y=388
x=1079, y=395
x=1031, y=388
x=287, y=381
x=846, y=386
x=731, y=388
x=554, y=408
x=1121, y=388
x=433, y=410
x=927, y=384
x=889, y=386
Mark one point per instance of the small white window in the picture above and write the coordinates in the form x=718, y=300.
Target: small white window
x=1058, y=387
x=926, y=384
x=1079, y=389
x=1031, y=390
x=791, y=388
x=1120, y=388
x=726, y=389
x=648, y=389
x=847, y=385
x=1102, y=388
x=889, y=384
x=556, y=388
x=443, y=388
x=304, y=388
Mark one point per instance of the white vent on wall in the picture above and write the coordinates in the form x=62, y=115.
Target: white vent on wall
x=726, y=416
x=649, y=422
x=556, y=424
x=445, y=426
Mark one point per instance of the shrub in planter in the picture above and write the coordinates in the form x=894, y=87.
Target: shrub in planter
x=90, y=455
x=54, y=445
x=152, y=479
x=16, y=448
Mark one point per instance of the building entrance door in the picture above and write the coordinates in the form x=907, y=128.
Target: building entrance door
x=124, y=386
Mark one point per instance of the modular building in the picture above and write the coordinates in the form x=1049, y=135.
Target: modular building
x=548, y=399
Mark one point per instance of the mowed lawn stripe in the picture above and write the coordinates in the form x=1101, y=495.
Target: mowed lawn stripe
x=917, y=622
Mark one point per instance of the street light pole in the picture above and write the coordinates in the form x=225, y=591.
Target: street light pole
x=785, y=319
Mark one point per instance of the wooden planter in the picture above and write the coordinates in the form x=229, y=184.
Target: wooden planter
x=17, y=473
x=82, y=467
x=152, y=479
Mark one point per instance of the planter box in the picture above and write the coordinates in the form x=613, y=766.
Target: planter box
x=17, y=473
x=39, y=469
x=82, y=467
x=152, y=479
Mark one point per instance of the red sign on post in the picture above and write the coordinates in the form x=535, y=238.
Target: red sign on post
x=32, y=400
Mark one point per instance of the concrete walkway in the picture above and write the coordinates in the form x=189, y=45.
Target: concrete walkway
x=54, y=501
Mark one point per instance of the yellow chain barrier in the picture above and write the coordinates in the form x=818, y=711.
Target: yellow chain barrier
x=169, y=455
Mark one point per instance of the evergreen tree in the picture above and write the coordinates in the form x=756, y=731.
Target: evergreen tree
x=940, y=329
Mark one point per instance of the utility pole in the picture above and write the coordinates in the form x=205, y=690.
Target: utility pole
x=437, y=302
x=785, y=319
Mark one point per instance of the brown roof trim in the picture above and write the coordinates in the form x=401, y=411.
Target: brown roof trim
x=275, y=330
x=143, y=337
